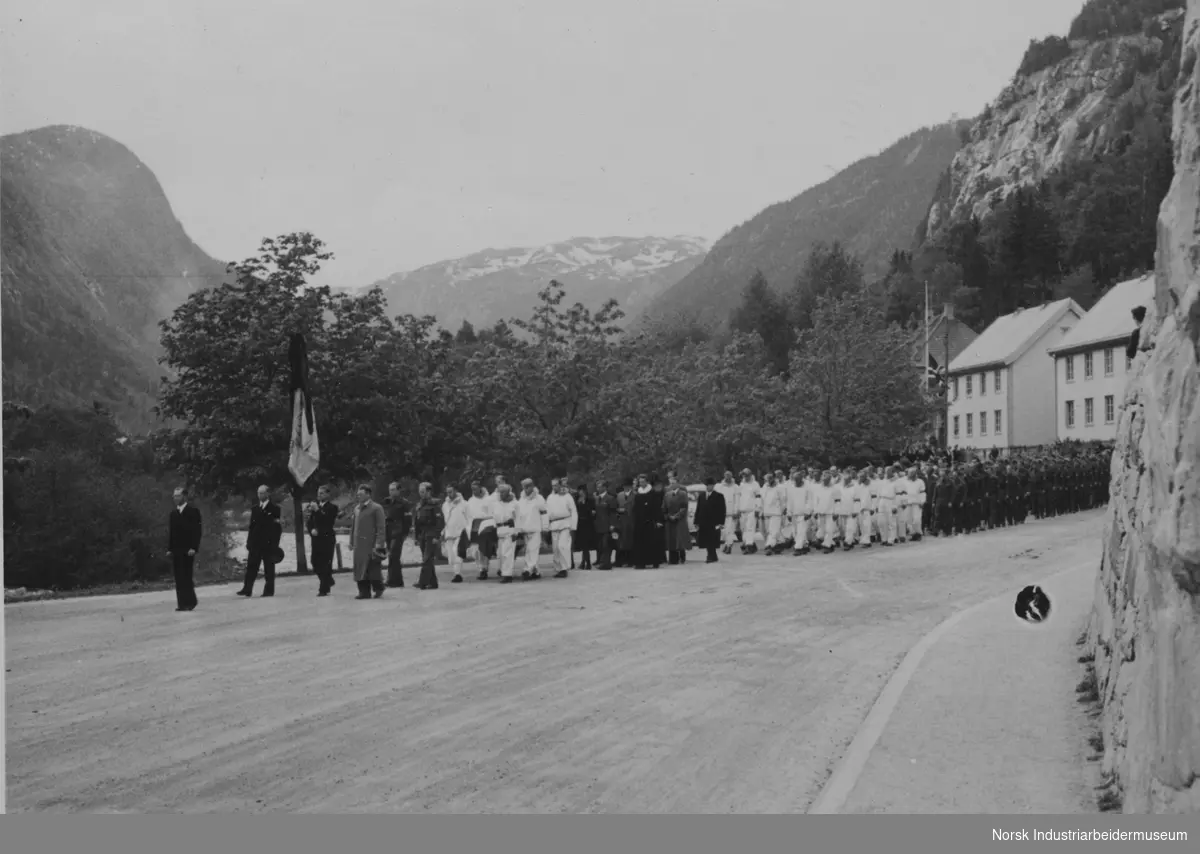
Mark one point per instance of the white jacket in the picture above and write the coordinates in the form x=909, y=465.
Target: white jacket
x=902, y=492
x=774, y=500
x=481, y=509
x=799, y=500
x=851, y=504
x=730, y=491
x=862, y=497
x=916, y=491
x=530, y=511
x=886, y=492
x=824, y=500
x=561, y=513
x=455, y=514
x=504, y=513
x=749, y=497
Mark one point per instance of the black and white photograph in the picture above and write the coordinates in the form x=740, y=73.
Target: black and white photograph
x=660, y=407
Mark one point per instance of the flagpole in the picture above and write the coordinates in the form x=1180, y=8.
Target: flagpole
x=927, y=335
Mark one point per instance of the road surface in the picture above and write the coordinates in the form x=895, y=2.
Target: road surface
x=728, y=688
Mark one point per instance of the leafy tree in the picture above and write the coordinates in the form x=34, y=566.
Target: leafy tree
x=764, y=314
x=830, y=270
x=854, y=381
x=228, y=349
x=466, y=333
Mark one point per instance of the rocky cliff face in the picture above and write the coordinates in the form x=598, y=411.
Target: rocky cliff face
x=1044, y=120
x=1145, y=626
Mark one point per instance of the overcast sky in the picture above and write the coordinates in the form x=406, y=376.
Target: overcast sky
x=404, y=133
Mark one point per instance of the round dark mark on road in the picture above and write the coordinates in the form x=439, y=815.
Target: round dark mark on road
x=1032, y=605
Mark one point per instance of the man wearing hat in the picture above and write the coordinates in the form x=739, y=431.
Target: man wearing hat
x=711, y=515
x=262, y=544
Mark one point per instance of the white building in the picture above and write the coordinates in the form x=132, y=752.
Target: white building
x=1001, y=388
x=1090, y=367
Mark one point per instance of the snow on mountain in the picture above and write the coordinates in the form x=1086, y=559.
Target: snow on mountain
x=498, y=284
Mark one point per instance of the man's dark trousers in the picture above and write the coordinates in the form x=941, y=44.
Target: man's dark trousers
x=185, y=587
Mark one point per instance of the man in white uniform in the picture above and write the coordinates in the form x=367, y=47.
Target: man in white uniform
x=799, y=508
x=531, y=513
x=850, y=509
x=916, y=503
x=866, y=509
x=483, y=527
x=504, y=514
x=749, y=496
x=774, y=500
x=886, y=516
x=454, y=510
x=729, y=489
x=902, y=511
x=562, y=516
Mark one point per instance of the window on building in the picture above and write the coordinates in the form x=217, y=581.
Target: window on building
x=969, y=422
x=956, y=388
x=969, y=378
x=996, y=378
x=997, y=424
x=1087, y=366
x=982, y=384
x=1089, y=412
x=982, y=423
x=1070, y=369
x=1110, y=409
x=955, y=426
x=1108, y=362
x=1070, y=413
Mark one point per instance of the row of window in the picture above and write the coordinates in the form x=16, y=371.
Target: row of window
x=1089, y=365
x=997, y=424
x=982, y=383
x=1089, y=411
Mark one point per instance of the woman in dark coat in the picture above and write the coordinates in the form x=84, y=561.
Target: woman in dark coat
x=626, y=526
x=648, y=537
x=662, y=537
x=585, y=527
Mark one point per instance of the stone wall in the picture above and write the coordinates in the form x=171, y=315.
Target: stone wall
x=1145, y=626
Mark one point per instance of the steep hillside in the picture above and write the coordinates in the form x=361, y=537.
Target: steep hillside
x=873, y=207
x=93, y=257
x=1071, y=100
x=497, y=284
x=1144, y=635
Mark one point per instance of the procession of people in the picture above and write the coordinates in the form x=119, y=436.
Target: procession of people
x=647, y=521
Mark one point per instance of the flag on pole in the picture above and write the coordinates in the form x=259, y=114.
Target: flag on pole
x=305, y=454
x=934, y=375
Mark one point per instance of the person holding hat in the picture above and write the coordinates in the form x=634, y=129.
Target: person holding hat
x=368, y=539
x=483, y=526
x=262, y=544
x=711, y=517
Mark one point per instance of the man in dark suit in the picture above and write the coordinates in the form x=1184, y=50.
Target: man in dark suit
x=606, y=521
x=321, y=519
x=398, y=515
x=262, y=541
x=710, y=519
x=183, y=541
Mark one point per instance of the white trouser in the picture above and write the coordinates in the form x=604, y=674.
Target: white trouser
x=506, y=550
x=774, y=527
x=864, y=526
x=787, y=530
x=561, y=540
x=885, y=519
x=901, y=520
x=827, y=529
x=533, y=547
x=749, y=528
x=450, y=548
x=850, y=528
x=914, y=519
x=729, y=533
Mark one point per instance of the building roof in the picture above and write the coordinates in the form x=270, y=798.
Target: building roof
x=1111, y=318
x=943, y=331
x=1010, y=336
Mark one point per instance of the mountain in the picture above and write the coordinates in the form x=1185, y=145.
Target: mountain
x=497, y=284
x=92, y=259
x=1072, y=99
x=873, y=207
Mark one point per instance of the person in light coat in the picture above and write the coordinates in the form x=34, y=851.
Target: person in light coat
x=457, y=533
x=729, y=491
x=851, y=507
x=902, y=511
x=916, y=503
x=483, y=526
x=866, y=509
x=886, y=515
x=531, y=521
x=749, y=496
x=774, y=498
x=839, y=505
x=799, y=510
x=504, y=514
x=562, y=515
x=368, y=541
x=824, y=504
x=877, y=526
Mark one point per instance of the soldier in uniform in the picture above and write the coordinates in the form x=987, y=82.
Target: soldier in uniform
x=428, y=522
x=397, y=513
x=322, y=517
